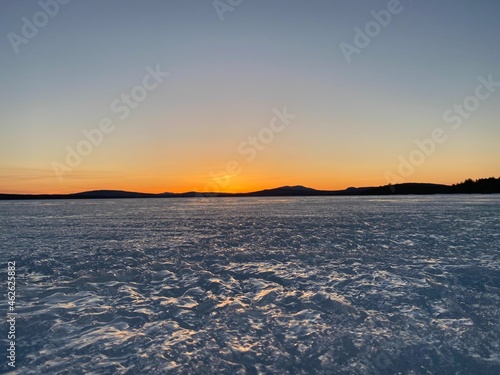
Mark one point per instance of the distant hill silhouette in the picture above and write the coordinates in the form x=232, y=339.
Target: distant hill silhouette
x=285, y=191
x=482, y=186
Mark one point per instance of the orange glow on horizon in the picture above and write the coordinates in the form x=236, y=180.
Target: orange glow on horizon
x=225, y=184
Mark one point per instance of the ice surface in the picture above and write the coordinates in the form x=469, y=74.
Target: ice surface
x=337, y=285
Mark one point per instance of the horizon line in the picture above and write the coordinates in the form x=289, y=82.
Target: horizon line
x=215, y=193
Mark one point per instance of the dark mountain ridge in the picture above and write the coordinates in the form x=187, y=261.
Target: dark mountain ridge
x=482, y=186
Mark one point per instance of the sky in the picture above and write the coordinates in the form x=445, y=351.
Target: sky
x=230, y=95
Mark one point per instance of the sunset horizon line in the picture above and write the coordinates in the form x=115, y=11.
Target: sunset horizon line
x=248, y=191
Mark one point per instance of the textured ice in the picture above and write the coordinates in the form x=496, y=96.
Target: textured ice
x=361, y=285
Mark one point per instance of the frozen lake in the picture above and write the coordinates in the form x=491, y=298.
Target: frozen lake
x=334, y=285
